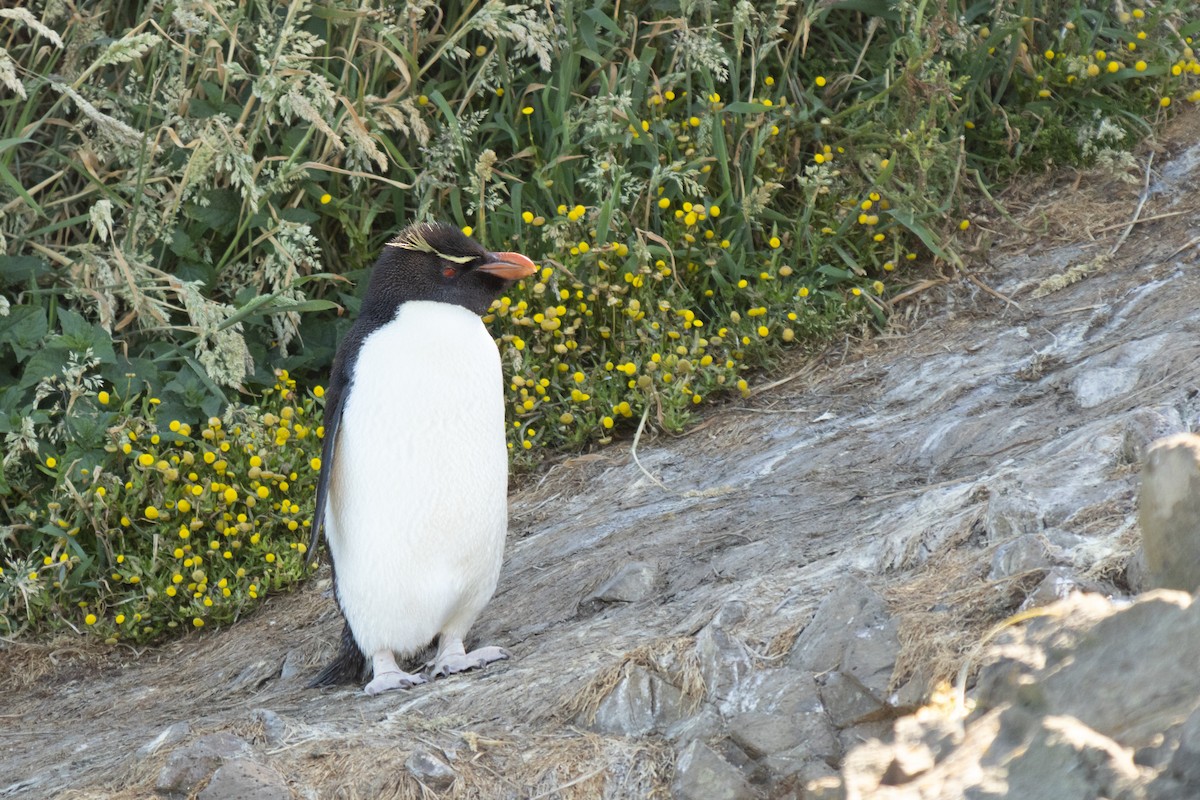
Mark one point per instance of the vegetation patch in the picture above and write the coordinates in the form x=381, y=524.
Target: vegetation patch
x=191, y=194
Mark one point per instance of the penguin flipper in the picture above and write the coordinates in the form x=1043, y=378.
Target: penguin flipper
x=335, y=400
x=348, y=666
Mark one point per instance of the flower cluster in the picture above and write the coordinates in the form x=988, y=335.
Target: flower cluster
x=184, y=526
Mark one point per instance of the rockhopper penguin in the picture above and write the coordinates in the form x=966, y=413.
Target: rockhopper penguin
x=414, y=471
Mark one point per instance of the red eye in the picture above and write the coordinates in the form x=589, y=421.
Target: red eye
x=449, y=272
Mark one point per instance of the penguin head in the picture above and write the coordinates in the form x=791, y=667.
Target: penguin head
x=438, y=262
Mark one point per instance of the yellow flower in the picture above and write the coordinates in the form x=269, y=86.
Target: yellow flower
x=51, y=462
x=326, y=198
x=774, y=242
x=90, y=619
x=120, y=619
x=1113, y=66
x=820, y=80
x=1140, y=66
x=199, y=623
x=145, y=459
x=527, y=216
x=664, y=203
x=315, y=463
x=151, y=512
x=966, y=223
x=103, y=397
x=763, y=331
x=467, y=230
x=1164, y=102
x=527, y=110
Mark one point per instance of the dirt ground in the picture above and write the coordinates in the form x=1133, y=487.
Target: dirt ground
x=1011, y=399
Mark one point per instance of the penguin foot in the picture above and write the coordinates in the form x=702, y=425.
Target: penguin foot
x=449, y=663
x=388, y=675
x=387, y=681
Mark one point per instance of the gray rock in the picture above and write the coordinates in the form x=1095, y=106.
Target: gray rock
x=724, y=661
x=293, y=665
x=1056, y=585
x=274, y=728
x=848, y=702
x=1128, y=673
x=242, y=779
x=1185, y=763
x=786, y=694
x=761, y=734
x=701, y=774
x=168, y=736
x=1025, y=553
x=1011, y=512
x=703, y=723
x=853, y=632
x=1066, y=760
x=1145, y=426
x=632, y=582
x=640, y=704
x=430, y=770
x=188, y=766
x=1169, y=513
x=1097, y=385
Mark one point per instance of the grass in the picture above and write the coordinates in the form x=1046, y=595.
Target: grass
x=192, y=193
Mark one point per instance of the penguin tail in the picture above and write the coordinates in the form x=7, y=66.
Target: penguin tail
x=347, y=666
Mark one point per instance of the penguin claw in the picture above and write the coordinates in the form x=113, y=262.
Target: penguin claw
x=388, y=681
x=451, y=663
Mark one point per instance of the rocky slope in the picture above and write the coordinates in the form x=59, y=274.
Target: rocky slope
x=735, y=615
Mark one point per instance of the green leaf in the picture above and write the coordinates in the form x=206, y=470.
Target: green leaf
x=24, y=329
x=15, y=270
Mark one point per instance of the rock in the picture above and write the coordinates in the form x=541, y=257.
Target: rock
x=921, y=740
x=1025, y=553
x=293, y=665
x=724, y=662
x=701, y=774
x=1097, y=385
x=640, y=704
x=847, y=701
x=702, y=723
x=167, y=736
x=1127, y=673
x=274, y=728
x=190, y=765
x=1066, y=760
x=1184, y=766
x=1056, y=585
x=1145, y=426
x=793, y=697
x=430, y=770
x=242, y=779
x=632, y=582
x=852, y=632
x=1011, y=512
x=761, y=734
x=1169, y=513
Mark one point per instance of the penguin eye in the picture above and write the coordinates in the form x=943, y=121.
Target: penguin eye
x=449, y=272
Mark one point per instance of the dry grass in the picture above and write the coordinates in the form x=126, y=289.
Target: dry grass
x=673, y=660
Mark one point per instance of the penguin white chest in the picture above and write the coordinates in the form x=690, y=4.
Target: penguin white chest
x=417, y=511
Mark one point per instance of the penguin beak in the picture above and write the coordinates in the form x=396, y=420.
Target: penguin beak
x=509, y=266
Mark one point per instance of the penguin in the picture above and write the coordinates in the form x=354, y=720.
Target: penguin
x=413, y=486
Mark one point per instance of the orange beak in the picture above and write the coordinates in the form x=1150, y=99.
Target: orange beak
x=509, y=266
